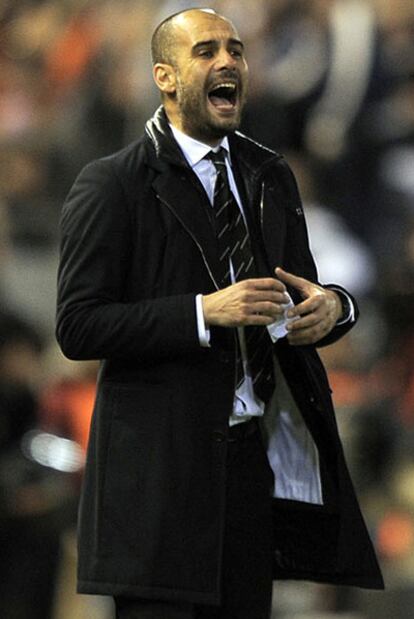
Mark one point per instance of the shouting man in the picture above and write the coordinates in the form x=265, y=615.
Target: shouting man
x=214, y=463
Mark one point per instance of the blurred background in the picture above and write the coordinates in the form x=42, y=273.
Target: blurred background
x=332, y=87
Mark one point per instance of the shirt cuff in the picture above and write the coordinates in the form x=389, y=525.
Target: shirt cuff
x=203, y=331
x=347, y=304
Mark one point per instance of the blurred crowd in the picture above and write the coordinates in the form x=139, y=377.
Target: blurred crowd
x=332, y=88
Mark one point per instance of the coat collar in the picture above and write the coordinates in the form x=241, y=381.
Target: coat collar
x=253, y=157
x=166, y=148
x=178, y=187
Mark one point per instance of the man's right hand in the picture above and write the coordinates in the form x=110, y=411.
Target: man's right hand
x=249, y=302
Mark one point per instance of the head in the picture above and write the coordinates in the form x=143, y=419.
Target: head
x=201, y=72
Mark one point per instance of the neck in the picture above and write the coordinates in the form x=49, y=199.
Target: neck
x=176, y=121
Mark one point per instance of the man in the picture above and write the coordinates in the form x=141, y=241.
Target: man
x=167, y=274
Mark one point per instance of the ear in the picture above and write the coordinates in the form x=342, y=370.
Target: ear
x=164, y=77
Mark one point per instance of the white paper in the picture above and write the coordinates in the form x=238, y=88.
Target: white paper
x=278, y=329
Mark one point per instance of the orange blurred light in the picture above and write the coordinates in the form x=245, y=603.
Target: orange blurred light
x=395, y=537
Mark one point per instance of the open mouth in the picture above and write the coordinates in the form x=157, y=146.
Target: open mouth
x=223, y=96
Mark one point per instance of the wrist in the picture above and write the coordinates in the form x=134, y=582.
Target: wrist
x=202, y=327
x=205, y=307
x=339, y=307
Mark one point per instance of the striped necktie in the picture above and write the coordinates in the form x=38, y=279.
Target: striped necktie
x=234, y=245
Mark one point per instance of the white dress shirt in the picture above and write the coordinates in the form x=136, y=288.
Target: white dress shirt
x=292, y=452
x=246, y=403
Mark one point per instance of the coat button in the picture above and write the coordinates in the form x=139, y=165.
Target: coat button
x=218, y=437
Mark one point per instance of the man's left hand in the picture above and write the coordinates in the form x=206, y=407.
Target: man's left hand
x=317, y=314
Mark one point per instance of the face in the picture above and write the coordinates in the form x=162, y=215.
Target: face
x=210, y=77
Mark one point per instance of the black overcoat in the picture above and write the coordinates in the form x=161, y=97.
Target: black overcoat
x=137, y=245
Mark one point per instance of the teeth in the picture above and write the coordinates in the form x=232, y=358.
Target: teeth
x=225, y=85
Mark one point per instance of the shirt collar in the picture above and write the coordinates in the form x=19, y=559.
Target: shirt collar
x=194, y=151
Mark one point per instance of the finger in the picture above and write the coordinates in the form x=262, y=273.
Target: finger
x=291, y=280
x=257, y=296
x=310, y=305
x=306, y=322
x=251, y=291
x=274, y=310
x=308, y=336
x=264, y=308
x=257, y=320
x=265, y=283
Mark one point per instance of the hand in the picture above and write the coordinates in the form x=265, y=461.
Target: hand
x=249, y=302
x=318, y=313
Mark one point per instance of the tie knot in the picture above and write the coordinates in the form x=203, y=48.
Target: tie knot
x=218, y=158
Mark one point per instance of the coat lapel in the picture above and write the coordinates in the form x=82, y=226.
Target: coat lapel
x=186, y=199
x=179, y=189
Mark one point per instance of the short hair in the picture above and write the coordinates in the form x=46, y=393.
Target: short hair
x=163, y=39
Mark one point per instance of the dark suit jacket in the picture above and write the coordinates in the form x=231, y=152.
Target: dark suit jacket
x=137, y=245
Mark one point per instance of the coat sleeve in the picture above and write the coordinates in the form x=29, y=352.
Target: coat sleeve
x=93, y=319
x=299, y=257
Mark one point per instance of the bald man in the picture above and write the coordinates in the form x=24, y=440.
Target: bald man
x=214, y=463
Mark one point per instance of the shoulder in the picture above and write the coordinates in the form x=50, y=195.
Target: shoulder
x=127, y=163
x=249, y=144
x=256, y=156
x=109, y=183
x=261, y=161
x=119, y=172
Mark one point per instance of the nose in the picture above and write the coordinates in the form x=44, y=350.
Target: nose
x=224, y=59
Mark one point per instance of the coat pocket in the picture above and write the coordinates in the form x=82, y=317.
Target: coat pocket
x=133, y=466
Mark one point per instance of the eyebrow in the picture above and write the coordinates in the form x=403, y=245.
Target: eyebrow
x=213, y=42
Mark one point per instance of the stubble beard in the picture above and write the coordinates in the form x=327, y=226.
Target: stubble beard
x=197, y=121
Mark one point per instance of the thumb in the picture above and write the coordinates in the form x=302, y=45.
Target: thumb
x=292, y=280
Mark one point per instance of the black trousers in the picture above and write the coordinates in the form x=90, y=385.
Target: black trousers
x=247, y=557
